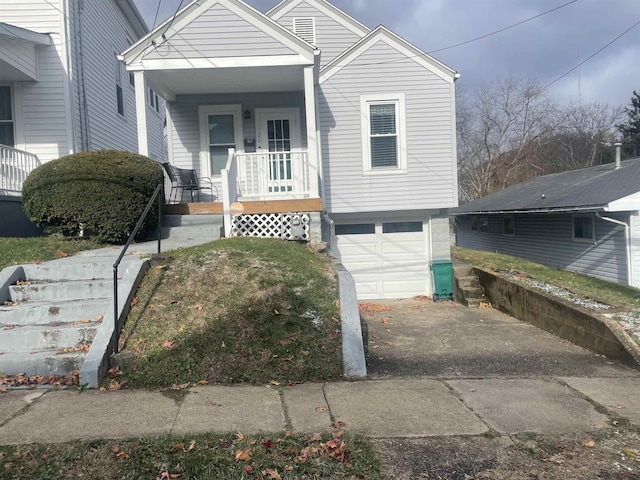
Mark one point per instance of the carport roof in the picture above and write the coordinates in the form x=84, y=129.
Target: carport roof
x=594, y=188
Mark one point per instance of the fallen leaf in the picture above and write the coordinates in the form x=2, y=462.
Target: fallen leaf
x=284, y=342
x=85, y=320
x=321, y=409
x=276, y=312
x=202, y=382
x=167, y=344
x=192, y=445
x=589, y=443
x=100, y=318
x=160, y=267
x=385, y=320
x=629, y=452
x=248, y=469
x=243, y=455
x=114, y=372
x=134, y=301
x=61, y=254
x=273, y=474
x=374, y=307
x=200, y=308
x=273, y=382
x=178, y=447
x=240, y=437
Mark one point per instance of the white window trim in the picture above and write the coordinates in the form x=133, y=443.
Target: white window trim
x=593, y=228
x=203, y=113
x=391, y=98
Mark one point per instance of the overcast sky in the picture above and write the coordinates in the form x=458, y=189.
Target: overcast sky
x=544, y=48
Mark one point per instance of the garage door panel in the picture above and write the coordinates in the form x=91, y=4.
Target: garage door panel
x=386, y=265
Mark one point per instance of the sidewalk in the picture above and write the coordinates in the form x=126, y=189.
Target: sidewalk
x=403, y=408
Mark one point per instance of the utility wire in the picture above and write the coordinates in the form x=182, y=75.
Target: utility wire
x=592, y=55
x=503, y=29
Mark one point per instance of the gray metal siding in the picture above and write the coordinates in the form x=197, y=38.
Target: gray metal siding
x=548, y=239
x=219, y=33
x=430, y=181
x=332, y=38
x=635, y=248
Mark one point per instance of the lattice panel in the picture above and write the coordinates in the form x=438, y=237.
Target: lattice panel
x=269, y=225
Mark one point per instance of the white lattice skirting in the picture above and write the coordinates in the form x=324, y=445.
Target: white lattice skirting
x=269, y=225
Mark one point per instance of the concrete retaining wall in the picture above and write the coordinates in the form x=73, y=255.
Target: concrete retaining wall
x=582, y=327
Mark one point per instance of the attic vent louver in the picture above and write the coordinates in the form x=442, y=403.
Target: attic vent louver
x=305, y=28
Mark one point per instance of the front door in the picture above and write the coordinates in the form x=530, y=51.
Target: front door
x=278, y=135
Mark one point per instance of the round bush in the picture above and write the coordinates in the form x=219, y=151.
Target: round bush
x=101, y=193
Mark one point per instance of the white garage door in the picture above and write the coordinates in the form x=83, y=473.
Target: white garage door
x=387, y=259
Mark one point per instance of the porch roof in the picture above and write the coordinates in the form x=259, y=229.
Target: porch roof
x=18, y=58
x=263, y=79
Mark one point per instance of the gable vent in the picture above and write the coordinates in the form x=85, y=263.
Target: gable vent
x=305, y=28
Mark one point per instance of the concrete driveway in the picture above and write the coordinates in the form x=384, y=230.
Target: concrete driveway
x=447, y=340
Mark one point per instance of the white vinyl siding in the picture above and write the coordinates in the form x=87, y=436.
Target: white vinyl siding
x=42, y=125
x=331, y=37
x=20, y=55
x=219, y=33
x=548, y=239
x=429, y=182
x=48, y=110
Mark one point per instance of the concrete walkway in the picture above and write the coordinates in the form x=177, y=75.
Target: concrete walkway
x=401, y=408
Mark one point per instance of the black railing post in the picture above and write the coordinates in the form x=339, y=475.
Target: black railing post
x=160, y=204
x=159, y=188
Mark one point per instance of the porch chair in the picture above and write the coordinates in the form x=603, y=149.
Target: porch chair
x=186, y=179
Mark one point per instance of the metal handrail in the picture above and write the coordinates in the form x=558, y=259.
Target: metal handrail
x=159, y=188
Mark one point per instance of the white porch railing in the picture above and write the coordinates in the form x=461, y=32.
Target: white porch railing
x=273, y=174
x=15, y=167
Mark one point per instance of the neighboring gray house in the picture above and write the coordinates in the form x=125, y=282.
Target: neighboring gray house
x=323, y=115
x=586, y=221
x=62, y=87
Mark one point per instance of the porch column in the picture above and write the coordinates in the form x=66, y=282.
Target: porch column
x=312, y=130
x=141, y=113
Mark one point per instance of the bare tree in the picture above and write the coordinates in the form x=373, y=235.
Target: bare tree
x=500, y=131
x=511, y=131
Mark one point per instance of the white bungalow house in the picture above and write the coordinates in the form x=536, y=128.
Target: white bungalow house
x=586, y=221
x=302, y=116
x=63, y=89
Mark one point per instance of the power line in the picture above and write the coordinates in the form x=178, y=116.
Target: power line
x=503, y=29
x=593, y=55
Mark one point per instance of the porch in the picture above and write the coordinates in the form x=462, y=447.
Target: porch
x=15, y=167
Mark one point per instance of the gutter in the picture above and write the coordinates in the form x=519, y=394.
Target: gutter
x=627, y=230
x=545, y=210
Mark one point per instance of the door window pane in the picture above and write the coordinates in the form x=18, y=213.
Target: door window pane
x=401, y=227
x=219, y=156
x=356, y=229
x=221, y=130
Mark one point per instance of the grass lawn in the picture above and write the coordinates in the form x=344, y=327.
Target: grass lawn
x=15, y=251
x=583, y=285
x=240, y=310
x=219, y=456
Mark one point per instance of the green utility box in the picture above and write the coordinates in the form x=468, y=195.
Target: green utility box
x=442, y=279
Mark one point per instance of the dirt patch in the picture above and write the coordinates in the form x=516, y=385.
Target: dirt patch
x=614, y=455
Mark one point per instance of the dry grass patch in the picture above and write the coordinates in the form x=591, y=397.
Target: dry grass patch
x=236, y=311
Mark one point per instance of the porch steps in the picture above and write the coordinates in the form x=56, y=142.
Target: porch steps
x=187, y=229
x=466, y=286
x=51, y=315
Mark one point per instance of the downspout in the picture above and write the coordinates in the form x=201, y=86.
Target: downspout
x=66, y=39
x=627, y=231
x=85, y=131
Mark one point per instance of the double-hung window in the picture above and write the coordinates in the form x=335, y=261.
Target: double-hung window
x=153, y=99
x=383, y=133
x=6, y=117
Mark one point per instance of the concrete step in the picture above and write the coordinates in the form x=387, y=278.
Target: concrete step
x=47, y=313
x=46, y=337
x=59, y=291
x=192, y=220
x=43, y=362
x=472, y=302
x=473, y=292
x=207, y=233
x=72, y=267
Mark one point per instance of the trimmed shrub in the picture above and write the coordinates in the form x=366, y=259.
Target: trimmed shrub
x=101, y=193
